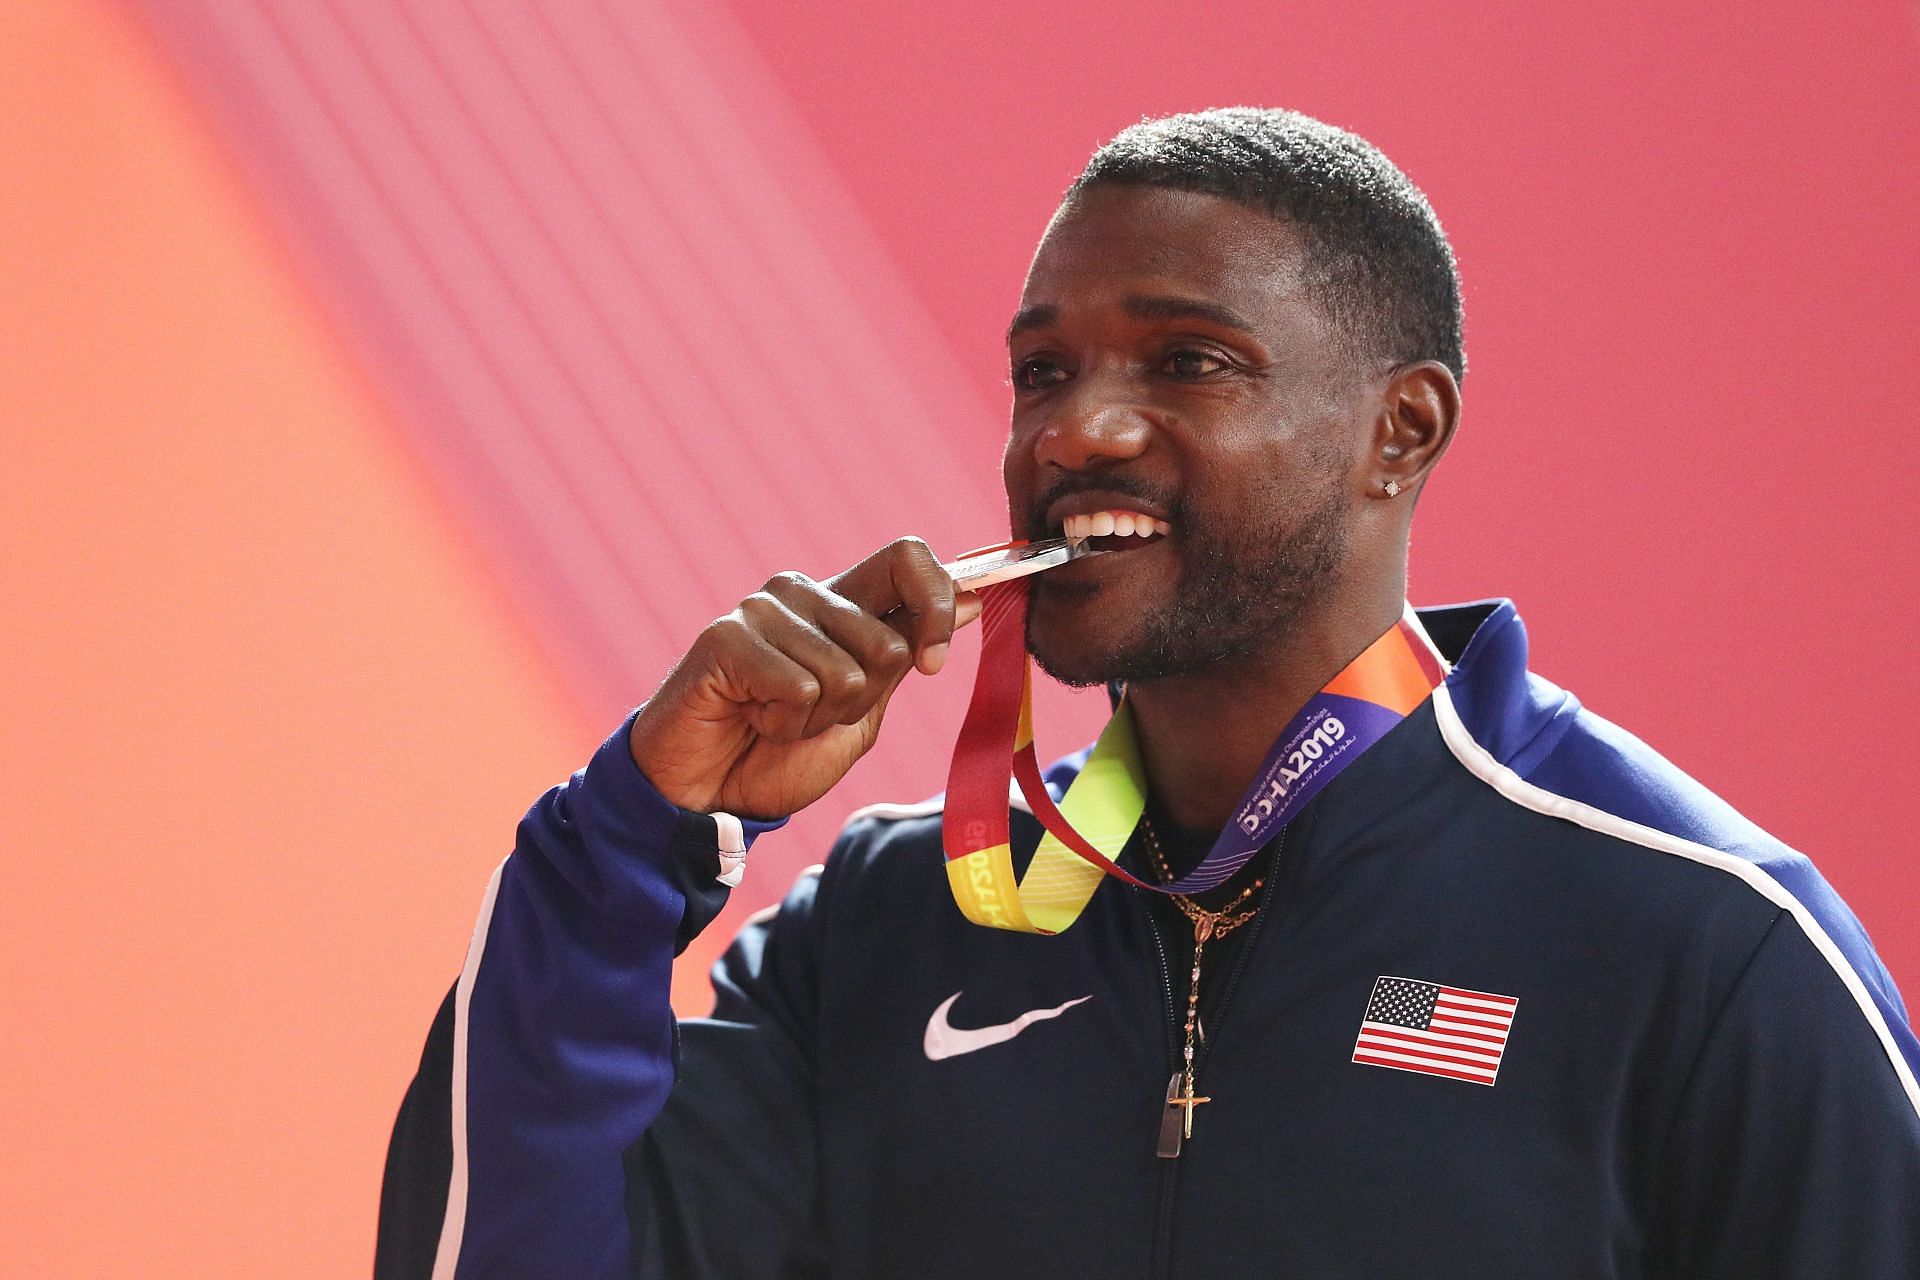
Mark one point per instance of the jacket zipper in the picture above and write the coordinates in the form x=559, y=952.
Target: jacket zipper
x=1163, y=1226
x=1169, y=1169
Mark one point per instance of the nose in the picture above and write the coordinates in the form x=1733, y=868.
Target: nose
x=1091, y=426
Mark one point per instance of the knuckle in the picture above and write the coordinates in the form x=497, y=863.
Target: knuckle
x=834, y=605
x=917, y=558
x=790, y=581
x=894, y=653
x=730, y=630
x=850, y=684
x=923, y=576
x=761, y=606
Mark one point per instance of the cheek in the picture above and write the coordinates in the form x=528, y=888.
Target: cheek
x=1024, y=425
x=1289, y=447
x=1250, y=486
x=1016, y=476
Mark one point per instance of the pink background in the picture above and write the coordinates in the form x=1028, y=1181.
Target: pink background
x=396, y=387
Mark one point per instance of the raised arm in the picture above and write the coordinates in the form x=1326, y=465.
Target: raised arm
x=554, y=1051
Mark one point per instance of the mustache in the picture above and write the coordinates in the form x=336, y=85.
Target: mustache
x=1122, y=485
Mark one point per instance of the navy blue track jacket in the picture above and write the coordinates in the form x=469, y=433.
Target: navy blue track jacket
x=1706, y=1072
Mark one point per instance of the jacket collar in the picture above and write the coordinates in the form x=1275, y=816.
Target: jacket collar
x=1516, y=716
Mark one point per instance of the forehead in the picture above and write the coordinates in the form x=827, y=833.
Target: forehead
x=1112, y=242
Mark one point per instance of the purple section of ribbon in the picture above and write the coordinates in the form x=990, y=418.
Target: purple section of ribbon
x=1330, y=733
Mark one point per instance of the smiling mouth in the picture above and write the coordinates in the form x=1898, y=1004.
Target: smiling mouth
x=1115, y=530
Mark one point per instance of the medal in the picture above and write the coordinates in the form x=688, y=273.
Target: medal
x=977, y=570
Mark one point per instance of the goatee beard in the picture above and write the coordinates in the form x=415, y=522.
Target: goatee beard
x=1234, y=597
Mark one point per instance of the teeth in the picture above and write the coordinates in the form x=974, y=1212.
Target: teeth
x=1120, y=523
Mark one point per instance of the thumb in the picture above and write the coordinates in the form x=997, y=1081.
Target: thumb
x=966, y=609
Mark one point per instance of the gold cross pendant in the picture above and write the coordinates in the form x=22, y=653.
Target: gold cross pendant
x=1177, y=1123
x=1189, y=1102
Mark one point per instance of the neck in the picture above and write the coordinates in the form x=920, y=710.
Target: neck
x=1204, y=736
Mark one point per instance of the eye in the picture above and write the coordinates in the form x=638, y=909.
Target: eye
x=1036, y=373
x=1193, y=362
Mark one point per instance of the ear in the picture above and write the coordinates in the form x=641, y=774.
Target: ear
x=1418, y=412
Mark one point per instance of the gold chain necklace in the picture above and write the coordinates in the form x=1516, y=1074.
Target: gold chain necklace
x=1177, y=1122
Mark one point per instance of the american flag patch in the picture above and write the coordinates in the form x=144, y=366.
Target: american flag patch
x=1435, y=1030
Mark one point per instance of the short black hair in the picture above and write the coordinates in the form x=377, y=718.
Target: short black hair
x=1383, y=268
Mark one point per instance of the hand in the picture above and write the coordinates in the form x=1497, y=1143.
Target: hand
x=777, y=700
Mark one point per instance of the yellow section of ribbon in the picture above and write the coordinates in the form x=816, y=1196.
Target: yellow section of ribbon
x=984, y=887
x=1103, y=803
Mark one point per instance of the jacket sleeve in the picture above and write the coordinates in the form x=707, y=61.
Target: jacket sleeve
x=554, y=1051
x=1796, y=1148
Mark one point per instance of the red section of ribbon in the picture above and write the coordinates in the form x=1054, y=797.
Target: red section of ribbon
x=989, y=754
x=975, y=816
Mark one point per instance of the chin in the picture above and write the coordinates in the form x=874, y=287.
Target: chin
x=1078, y=647
x=1077, y=675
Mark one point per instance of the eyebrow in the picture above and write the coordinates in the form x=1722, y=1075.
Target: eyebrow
x=1140, y=307
x=1039, y=316
x=1165, y=308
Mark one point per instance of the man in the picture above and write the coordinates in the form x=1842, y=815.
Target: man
x=1509, y=997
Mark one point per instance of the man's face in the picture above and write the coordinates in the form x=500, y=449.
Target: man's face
x=1168, y=362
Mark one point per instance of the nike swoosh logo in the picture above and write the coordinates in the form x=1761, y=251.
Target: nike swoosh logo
x=944, y=1040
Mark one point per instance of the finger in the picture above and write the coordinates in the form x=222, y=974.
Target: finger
x=847, y=692
x=904, y=579
x=882, y=652
x=780, y=693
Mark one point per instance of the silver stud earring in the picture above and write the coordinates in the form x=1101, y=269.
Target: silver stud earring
x=1393, y=488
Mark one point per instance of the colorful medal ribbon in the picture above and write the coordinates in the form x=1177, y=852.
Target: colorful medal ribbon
x=1093, y=821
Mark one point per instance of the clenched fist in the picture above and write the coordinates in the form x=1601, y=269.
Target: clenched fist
x=777, y=700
